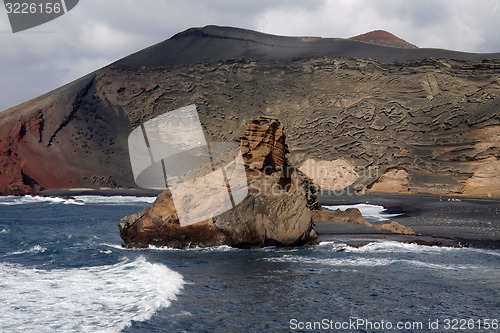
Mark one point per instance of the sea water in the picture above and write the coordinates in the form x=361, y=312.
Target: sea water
x=62, y=269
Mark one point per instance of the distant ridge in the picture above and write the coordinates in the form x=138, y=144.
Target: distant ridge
x=381, y=37
x=215, y=43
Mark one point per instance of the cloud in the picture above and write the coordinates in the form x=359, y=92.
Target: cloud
x=96, y=33
x=462, y=25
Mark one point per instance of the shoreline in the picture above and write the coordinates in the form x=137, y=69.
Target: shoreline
x=439, y=221
x=105, y=192
x=345, y=199
x=324, y=198
x=468, y=222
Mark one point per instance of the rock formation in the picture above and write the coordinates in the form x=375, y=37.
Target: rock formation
x=393, y=180
x=331, y=176
x=277, y=210
x=353, y=216
x=379, y=108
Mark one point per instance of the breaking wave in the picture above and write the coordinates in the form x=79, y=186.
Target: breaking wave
x=360, y=262
x=400, y=247
x=339, y=262
x=35, y=249
x=371, y=212
x=220, y=248
x=90, y=299
x=387, y=247
x=117, y=199
x=468, y=261
x=76, y=200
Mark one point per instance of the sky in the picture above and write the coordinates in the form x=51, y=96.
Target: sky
x=98, y=32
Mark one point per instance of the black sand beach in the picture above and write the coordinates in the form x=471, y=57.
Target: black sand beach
x=468, y=222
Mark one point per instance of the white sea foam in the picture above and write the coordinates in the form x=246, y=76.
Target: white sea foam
x=34, y=249
x=76, y=200
x=117, y=199
x=4, y=230
x=372, y=212
x=114, y=246
x=90, y=299
x=359, y=262
x=29, y=199
x=398, y=247
x=441, y=266
x=495, y=253
x=221, y=248
x=339, y=262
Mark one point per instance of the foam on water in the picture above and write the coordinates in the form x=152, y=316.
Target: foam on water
x=76, y=200
x=440, y=266
x=359, y=262
x=340, y=262
x=400, y=247
x=35, y=249
x=89, y=299
x=220, y=248
x=117, y=199
x=4, y=230
x=388, y=247
x=29, y=199
x=373, y=212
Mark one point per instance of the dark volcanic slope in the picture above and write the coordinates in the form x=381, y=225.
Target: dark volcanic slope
x=436, y=119
x=381, y=37
x=214, y=43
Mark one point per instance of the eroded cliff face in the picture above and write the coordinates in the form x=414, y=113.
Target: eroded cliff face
x=436, y=119
x=277, y=210
x=67, y=138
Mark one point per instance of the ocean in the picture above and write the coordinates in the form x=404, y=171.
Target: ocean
x=62, y=269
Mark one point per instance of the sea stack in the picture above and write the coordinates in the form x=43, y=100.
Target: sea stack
x=278, y=209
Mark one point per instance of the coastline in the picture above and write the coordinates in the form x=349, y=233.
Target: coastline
x=105, y=192
x=439, y=221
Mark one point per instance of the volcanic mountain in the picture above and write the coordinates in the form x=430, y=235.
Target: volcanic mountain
x=381, y=37
x=399, y=119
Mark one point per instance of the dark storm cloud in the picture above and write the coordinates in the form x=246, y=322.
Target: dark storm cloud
x=419, y=14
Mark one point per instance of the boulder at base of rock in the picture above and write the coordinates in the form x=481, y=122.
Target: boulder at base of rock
x=354, y=216
x=277, y=210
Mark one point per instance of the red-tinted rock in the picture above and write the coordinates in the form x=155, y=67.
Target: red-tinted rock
x=381, y=37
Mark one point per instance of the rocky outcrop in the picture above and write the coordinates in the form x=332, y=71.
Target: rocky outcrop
x=485, y=180
x=354, y=216
x=378, y=108
x=393, y=180
x=330, y=176
x=350, y=215
x=277, y=210
x=263, y=145
x=159, y=226
x=395, y=228
x=13, y=179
